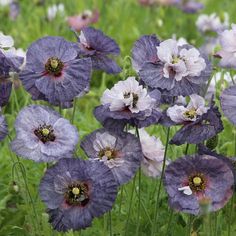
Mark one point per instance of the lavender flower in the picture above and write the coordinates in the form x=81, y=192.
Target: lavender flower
x=199, y=122
x=122, y=153
x=192, y=182
x=54, y=72
x=153, y=153
x=180, y=70
x=128, y=102
x=228, y=43
x=189, y=6
x=43, y=135
x=3, y=127
x=96, y=45
x=76, y=191
x=228, y=105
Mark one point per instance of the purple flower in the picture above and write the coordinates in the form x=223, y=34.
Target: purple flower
x=75, y=191
x=5, y=91
x=95, y=44
x=3, y=127
x=43, y=135
x=181, y=70
x=128, y=102
x=54, y=72
x=228, y=103
x=198, y=184
x=122, y=152
x=199, y=122
x=190, y=6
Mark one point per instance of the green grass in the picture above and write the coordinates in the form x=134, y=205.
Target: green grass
x=125, y=21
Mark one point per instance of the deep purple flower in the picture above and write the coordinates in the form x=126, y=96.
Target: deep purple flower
x=145, y=50
x=228, y=103
x=43, y=135
x=198, y=184
x=5, y=91
x=128, y=102
x=180, y=70
x=122, y=153
x=3, y=127
x=75, y=191
x=95, y=44
x=54, y=71
x=199, y=123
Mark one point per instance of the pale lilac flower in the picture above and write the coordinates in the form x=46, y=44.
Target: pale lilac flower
x=195, y=108
x=153, y=152
x=228, y=50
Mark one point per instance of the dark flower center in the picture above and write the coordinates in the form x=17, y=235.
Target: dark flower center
x=135, y=97
x=191, y=114
x=54, y=66
x=77, y=194
x=197, y=182
x=108, y=152
x=45, y=133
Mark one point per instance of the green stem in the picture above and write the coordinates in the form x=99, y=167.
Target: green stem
x=169, y=223
x=110, y=224
x=189, y=225
x=159, y=187
x=121, y=198
x=130, y=204
x=74, y=109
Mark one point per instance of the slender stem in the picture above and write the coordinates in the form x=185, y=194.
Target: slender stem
x=186, y=150
x=159, y=187
x=189, y=225
x=110, y=224
x=169, y=222
x=130, y=204
x=230, y=215
x=74, y=109
x=121, y=199
x=215, y=224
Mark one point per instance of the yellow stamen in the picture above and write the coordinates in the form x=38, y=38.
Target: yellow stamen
x=108, y=153
x=76, y=191
x=197, y=181
x=54, y=63
x=45, y=131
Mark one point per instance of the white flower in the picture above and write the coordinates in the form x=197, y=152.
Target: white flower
x=228, y=44
x=181, y=41
x=4, y=3
x=195, y=108
x=179, y=62
x=153, y=152
x=128, y=94
x=212, y=23
x=54, y=10
x=6, y=41
x=107, y=142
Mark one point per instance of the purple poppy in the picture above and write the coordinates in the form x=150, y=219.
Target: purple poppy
x=128, y=102
x=199, y=182
x=199, y=122
x=190, y=6
x=145, y=50
x=54, y=72
x=181, y=70
x=122, y=153
x=75, y=191
x=43, y=135
x=95, y=44
x=3, y=127
x=228, y=99
x=5, y=91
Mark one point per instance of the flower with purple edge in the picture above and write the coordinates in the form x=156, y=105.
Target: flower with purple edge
x=199, y=122
x=228, y=103
x=54, y=72
x=43, y=135
x=3, y=127
x=76, y=191
x=128, y=102
x=181, y=70
x=191, y=180
x=95, y=44
x=121, y=152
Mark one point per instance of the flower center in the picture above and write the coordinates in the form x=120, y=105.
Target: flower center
x=135, y=98
x=107, y=152
x=45, y=133
x=197, y=182
x=191, y=114
x=77, y=194
x=54, y=66
x=175, y=60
